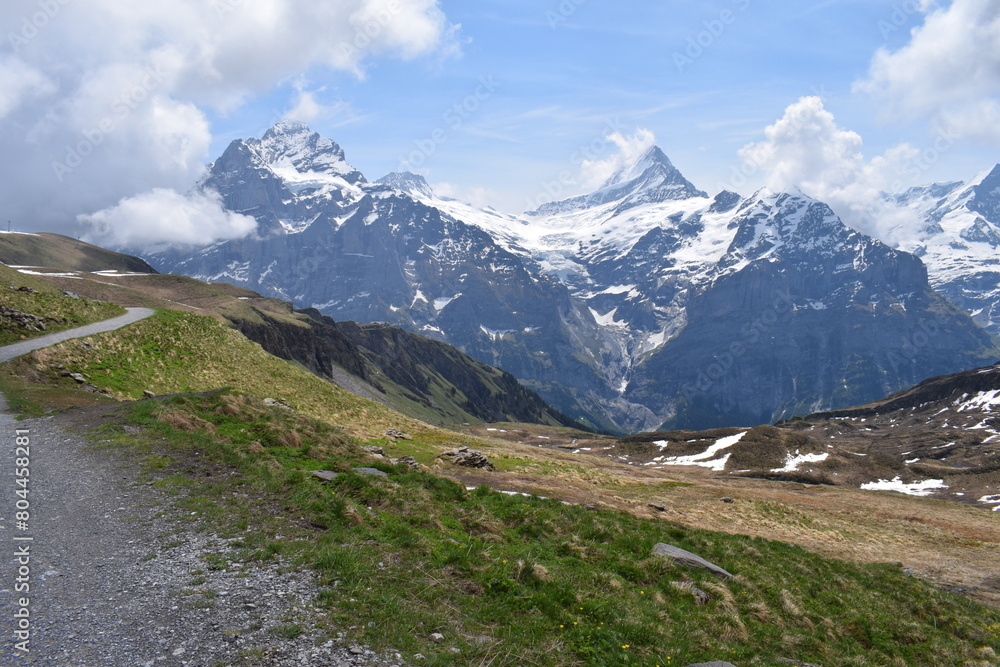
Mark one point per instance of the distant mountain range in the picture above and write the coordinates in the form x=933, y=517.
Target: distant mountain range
x=646, y=304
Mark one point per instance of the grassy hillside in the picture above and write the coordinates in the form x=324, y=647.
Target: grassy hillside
x=510, y=580
x=47, y=302
x=425, y=379
x=64, y=253
x=175, y=352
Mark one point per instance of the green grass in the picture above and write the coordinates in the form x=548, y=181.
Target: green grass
x=510, y=580
x=176, y=352
x=60, y=312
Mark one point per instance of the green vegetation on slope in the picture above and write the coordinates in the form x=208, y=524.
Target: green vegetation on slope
x=527, y=581
x=58, y=311
x=174, y=352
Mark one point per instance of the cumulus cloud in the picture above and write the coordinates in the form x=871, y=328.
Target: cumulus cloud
x=805, y=149
x=949, y=71
x=162, y=217
x=625, y=151
x=104, y=99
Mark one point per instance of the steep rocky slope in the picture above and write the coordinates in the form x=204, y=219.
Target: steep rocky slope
x=643, y=304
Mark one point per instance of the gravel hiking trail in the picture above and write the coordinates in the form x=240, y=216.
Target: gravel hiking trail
x=98, y=569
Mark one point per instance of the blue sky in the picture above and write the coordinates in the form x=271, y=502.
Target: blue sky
x=567, y=72
x=503, y=102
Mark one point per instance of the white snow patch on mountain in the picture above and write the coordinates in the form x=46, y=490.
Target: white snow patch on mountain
x=703, y=460
x=793, y=461
x=922, y=488
x=983, y=401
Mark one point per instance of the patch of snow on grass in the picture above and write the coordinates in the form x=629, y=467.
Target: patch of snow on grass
x=705, y=460
x=792, y=463
x=922, y=488
x=984, y=400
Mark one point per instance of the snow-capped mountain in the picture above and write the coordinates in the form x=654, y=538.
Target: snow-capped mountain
x=643, y=303
x=959, y=241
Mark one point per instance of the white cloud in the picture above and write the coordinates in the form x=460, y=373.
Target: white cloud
x=19, y=82
x=309, y=106
x=479, y=197
x=628, y=149
x=806, y=149
x=949, y=71
x=163, y=217
x=105, y=99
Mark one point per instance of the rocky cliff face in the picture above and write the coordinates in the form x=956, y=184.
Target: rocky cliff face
x=421, y=377
x=643, y=303
x=804, y=313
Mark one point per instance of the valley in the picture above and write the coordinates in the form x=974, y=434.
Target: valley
x=591, y=512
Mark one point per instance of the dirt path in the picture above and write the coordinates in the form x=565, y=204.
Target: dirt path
x=101, y=570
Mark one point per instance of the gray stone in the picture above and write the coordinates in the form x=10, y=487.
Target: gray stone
x=371, y=471
x=407, y=460
x=374, y=449
x=396, y=434
x=659, y=507
x=714, y=663
x=688, y=559
x=326, y=475
x=436, y=637
x=147, y=393
x=470, y=458
x=275, y=403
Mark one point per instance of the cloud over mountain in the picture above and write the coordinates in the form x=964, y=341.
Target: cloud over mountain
x=103, y=100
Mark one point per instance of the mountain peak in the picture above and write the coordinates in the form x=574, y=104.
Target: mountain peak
x=408, y=182
x=986, y=197
x=652, y=178
x=292, y=144
x=286, y=128
x=653, y=158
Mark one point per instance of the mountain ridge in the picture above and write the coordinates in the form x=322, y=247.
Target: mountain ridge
x=576, y=303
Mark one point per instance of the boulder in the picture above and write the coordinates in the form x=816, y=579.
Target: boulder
x=326, y=475
x=688, y=559
x=396, y=434
x=469, y=458
x=406, y=460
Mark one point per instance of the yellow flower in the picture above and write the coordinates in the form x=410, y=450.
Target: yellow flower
x=625, y=645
